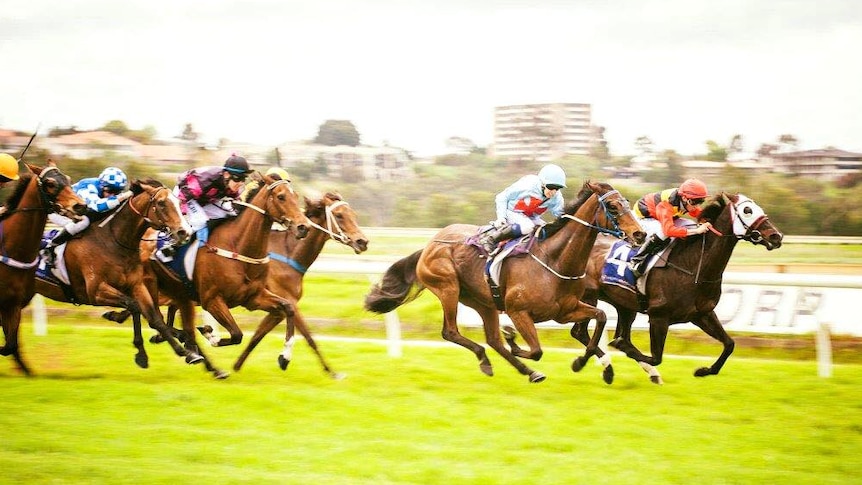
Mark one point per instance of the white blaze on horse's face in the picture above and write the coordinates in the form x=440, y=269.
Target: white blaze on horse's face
x=173, y=199
x=746, y=214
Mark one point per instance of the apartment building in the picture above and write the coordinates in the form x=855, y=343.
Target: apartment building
x=542, y=132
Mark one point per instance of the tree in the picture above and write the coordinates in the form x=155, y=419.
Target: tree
x=116, y=127
x=788, y=142
x=737, y=144
x=715, y=152
x=189, y=133
x=645, y=145
x=337, y=132
x=599, y=148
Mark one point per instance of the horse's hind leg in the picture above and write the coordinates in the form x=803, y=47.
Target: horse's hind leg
x=580, y=332
x=268, y=323
x=299, y=321
x=11, y=318
x=449, y=300
x=712, y=326
x=187, y=316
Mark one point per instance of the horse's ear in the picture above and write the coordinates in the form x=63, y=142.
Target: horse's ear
x=33, y=168
x=135, y=187
x=51, y=163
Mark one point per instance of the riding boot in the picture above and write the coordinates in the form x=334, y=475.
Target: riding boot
x=493, y=237
x=651, y=247
x=48, y=251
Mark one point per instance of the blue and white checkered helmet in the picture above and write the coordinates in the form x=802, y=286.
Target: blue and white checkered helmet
x=113, y=178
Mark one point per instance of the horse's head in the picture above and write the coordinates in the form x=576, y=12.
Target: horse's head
x=160, y=208
x=747, y=220
x=751, y=223
x=337, y=219
x=55, y=190
x=282, y=205
x=616, y=215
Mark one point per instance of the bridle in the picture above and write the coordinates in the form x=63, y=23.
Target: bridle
x=333, y=229
x=285, y=221
x=610, y=216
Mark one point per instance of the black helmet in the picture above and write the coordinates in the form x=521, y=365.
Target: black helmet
x=236, y=164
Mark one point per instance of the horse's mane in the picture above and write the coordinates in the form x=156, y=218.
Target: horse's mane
x=551, y=228
x=713, y=207
x=15, y=199
x=315, y=207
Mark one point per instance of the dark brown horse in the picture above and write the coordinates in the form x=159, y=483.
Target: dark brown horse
x=542, y=285
x=231, y=270
x=686, y=286
x=37, y=193
x=104, y=265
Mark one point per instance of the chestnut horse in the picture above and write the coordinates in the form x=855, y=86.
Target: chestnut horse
x=539, y=286
x=231, y=269
x=687, y=285
x=290, y=259
x=37, y=193
x=104, y=265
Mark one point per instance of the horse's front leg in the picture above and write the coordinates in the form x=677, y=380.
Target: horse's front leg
x=144, y=303
x=268, y=323
x=581, y=315
x=710, y=324
x=10, y=316
x=525, y=326
x=187, y=316
x=299, y=321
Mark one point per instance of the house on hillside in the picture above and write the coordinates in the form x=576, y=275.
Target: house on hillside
x=825, y=164
x=363, y=162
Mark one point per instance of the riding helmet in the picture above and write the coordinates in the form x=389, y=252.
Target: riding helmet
x=113, y=178
x=8, y=166
x=693, y=189
x=236, y=164
x=552, y=175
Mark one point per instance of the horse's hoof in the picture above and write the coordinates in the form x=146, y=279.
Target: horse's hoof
x=486, y=369
x=194, y=358
x=537, y=376
x=157, y=339
x=615, y=343
x=508, y=332
x=220, y=374
x=578, y=364
x=702, y=372
x=111, y=317
x=143, y=361
x=608, y=374
x=656, y=380
x=282, y=362
x=338, y=376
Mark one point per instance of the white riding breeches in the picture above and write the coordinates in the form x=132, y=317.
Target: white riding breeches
x=69, y=225
x=653, y=226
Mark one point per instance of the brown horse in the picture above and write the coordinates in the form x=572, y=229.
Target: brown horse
x=330, y=218
x=231, y=270
x=539, y=286
x=37, y=193
x=686, y=286
x=104, y=265
x=290, y=260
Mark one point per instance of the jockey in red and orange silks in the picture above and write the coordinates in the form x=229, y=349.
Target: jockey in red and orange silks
x=660, y=215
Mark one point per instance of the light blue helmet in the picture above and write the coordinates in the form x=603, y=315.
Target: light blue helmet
x=113, y=178
x=552, y=175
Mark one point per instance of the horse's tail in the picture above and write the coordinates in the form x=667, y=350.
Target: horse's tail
x=398, y=286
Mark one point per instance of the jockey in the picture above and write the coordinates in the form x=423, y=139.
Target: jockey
x=8, y=169
x=521, y=205
x=276, y=173
x=659, y=213
x=206, y=193
x=102, y=193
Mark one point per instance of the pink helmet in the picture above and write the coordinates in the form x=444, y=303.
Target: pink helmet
x=693, y=189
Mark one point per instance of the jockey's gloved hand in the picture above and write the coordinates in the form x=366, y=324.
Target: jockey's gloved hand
x=124, y=195
x=499, y=223
x=227, y=205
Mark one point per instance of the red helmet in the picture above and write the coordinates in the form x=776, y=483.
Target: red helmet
x=693, y=189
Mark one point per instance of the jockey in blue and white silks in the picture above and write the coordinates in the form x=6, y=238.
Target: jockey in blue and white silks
x=102, y=193
x=520, y=206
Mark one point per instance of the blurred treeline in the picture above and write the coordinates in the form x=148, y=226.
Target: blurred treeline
x=461, y=188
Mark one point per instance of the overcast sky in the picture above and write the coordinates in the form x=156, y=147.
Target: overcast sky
x=413, y=73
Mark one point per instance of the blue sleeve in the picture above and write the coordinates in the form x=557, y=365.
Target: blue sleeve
x=556, y=206
x=91, y=193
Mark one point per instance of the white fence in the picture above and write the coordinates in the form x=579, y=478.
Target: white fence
x=763, y=303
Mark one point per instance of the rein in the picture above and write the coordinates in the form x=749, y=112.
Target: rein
x=239, y=257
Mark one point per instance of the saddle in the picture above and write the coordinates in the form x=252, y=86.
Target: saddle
x=513, y=247
x=616, y=270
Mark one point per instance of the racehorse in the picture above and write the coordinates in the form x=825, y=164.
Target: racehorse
x=231, y=269
x=104, y=266
x=686, y=284
x=291, y=258
x=42, y=190
x=330, y=218
x=542, y=285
